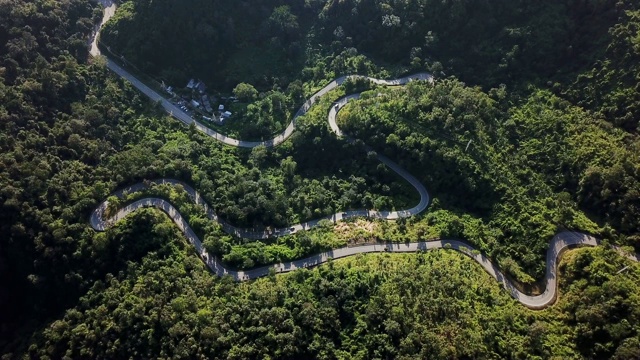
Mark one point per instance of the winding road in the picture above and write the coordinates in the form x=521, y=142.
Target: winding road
x=176, y=112
x=560, y=242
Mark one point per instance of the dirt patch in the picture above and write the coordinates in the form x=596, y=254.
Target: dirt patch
x=357, y=232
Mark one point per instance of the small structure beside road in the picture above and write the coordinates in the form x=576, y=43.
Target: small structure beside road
x=206, y=103
x=200, y=87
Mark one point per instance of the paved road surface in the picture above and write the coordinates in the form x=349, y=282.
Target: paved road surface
x=560, y=242
x=176, y=112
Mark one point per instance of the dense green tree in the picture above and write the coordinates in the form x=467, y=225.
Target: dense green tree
x=245, y=92
x=507, y=166
x=514, y=170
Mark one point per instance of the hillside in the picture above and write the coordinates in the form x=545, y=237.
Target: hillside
x=529, y=128
x=483, y=43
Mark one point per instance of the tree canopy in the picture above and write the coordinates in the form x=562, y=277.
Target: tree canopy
x=531, y=126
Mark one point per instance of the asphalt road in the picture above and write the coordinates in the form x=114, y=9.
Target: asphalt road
x=176, y=112
x=560, y=242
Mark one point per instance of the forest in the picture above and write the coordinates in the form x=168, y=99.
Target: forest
x=529, y=169
x=530, y=127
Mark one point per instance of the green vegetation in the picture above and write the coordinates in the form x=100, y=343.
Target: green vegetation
x=508, y=165
x=485, y=42
x=587, y=51
x=72, y=133
x=259, y=119
x=610, y=87
x=520, y=166
x=433, y=305
x=245, y=92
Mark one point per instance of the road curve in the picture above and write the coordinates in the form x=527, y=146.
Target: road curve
x=559, y=243
x=109, y=9
x=278, y=139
